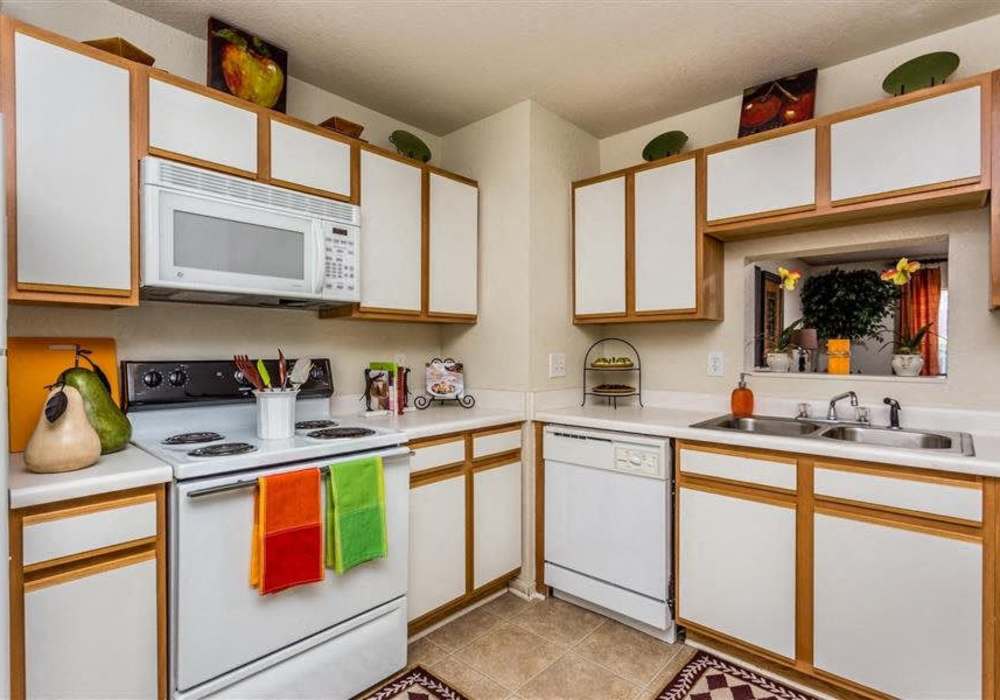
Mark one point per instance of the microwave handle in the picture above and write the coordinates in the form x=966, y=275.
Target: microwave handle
x=320, y=257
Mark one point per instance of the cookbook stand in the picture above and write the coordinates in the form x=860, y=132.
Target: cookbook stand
x=612, y=396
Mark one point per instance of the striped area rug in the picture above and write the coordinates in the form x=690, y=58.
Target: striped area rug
x=707, y=677
x=416, y=684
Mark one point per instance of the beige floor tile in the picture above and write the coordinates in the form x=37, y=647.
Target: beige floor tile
x=574, y=678
x=682, y=654
x=507, y=606
x=468, y=680
x=509, y=654
x=460, y=632
x=626, y=652
x=558, y=621
x=424, y=652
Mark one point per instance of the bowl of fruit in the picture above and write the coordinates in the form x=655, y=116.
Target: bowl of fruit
x=612, y=363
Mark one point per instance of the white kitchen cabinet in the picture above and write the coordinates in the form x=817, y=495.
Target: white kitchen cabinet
x=73, y=173
x=771, y=175
x=599, y=247
x=454, y=245
x=898, y=610
x=391, y=213
x=497, y=525
x=212, y=132
x=737, y=568
x=666, y=236
x=918, y=145
x=437, y=544
x=310, y=161
x=93, y=633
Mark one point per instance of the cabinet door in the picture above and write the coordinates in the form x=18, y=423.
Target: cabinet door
x=312, y=162
x=737, y=568
x=764, y=177
x=437, y=544
x=599, y=247
x=73, y=176
x=497, y=527
x=454, y=246
x=666, y=237
x=898, y=610
x=92, y=632
x=391, y=230
x=919, y=145
x=211, y=132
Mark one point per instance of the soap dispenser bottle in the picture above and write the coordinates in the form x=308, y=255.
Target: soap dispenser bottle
x=742, y=399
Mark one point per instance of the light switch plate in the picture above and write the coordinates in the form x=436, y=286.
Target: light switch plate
x=716, y=364
x=557, y=364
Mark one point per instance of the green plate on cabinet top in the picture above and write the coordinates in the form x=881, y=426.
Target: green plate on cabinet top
x=409, y=145
x=921, y=72
x=664, y=145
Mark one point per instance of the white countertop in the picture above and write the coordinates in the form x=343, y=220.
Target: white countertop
x=440, y=420
x=128, y=469
x=674, y=423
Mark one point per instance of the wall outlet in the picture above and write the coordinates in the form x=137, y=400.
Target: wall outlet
x=557, y=364
x=716, y=364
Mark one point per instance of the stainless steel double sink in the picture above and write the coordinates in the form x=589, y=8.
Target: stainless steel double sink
x=940, y=441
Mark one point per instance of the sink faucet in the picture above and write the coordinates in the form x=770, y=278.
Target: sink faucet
x=831, y=413
x=894, y=409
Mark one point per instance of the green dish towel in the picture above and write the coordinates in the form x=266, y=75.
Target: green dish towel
x=355, y=514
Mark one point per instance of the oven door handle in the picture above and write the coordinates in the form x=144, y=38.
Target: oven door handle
x=252, y=483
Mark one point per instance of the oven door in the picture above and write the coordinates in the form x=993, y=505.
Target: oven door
x=201, y=243
x=219, y=622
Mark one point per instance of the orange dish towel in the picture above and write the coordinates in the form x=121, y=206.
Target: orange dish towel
x=287, y=546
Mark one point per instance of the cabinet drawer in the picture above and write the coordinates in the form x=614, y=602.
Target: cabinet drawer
x=439, y=454
x=496, y=443
x=753, y=470
x=63, y=533
x=951, y=500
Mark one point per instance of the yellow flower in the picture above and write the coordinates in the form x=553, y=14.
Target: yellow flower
x=900, y=274
x=789, y=278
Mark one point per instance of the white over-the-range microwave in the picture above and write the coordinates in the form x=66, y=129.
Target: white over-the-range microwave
x=209, y=237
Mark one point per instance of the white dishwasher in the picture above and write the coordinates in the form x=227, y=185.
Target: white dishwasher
x=608, y=523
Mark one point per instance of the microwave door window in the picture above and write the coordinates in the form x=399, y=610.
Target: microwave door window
x=221, y=245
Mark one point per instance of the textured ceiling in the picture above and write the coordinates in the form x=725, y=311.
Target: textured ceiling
x=605, y=66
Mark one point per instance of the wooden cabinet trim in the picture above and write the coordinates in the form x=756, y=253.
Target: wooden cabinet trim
x=995, y=195
x=448, y=609
x=804, y=562
x=504, y=428
x=89, y=554
x=437, y=440
x=959, y=480
x=450, y=175
x=58, y=511
x=501, y=459
x=734, y=489
x=753, y=452
x=899, y=519
x=733, y=641
x=991, y=589
x=436, y=474
x=94, y=565
x=205, y=164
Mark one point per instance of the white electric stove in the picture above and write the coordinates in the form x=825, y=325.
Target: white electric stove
x=331, y=639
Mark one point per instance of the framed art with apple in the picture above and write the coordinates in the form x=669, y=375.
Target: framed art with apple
x=246, y=66
x=778, y=102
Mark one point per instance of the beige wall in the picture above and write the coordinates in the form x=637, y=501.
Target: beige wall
x=838, y=87
x=164, y=331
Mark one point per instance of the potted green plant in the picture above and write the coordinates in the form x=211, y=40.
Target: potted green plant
x=779, y=357
x=907, y=361
x=846, y=307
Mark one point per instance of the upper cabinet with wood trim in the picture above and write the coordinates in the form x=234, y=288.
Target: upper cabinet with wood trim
x=312, y=160
x=198, y=127
x=453, y=240
x=764, y=176
x=639, y=253
x=928, y=144
x=71, y=173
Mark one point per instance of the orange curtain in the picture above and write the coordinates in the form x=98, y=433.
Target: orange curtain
x=920, y=301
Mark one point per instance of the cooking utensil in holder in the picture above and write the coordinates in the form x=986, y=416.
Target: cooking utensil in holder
x=276, y=413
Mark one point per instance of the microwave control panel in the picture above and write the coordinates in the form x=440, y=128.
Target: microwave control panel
x=342, y=279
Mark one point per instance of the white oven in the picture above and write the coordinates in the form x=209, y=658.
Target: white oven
x=213, y=237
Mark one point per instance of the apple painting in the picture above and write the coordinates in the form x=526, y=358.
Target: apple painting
x=778, y=102
x=246, y=66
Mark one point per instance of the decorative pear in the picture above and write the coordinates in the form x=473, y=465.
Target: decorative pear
x=63, y=440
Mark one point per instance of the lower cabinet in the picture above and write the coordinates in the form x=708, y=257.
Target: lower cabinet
x=898, y=610
x=465, y=520
x=737, y=568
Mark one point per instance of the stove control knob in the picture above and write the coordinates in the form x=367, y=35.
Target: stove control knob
x=177, y=377
x=152, y=379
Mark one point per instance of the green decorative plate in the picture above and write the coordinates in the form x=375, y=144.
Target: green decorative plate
x=410, y=145
x=668, y=144
x=923, y=71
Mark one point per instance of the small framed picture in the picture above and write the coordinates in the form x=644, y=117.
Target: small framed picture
x=444, y=378
x=246, y=66
x=778, y=103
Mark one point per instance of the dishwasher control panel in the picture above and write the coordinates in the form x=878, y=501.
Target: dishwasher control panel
x=639, y=459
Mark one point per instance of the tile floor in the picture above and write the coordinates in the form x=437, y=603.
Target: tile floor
x=546, y=650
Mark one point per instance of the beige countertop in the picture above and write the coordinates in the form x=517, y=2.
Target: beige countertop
x=440, y=420
x=675, y=423
x=128, y=469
